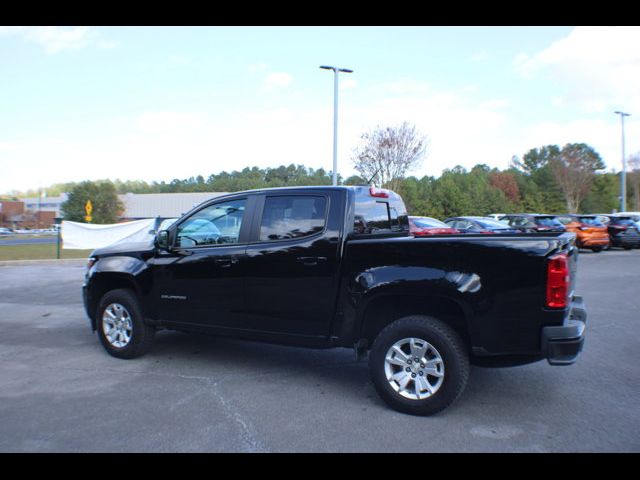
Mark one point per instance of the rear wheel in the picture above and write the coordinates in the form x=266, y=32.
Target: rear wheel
x=419, y=365
x=121, y=328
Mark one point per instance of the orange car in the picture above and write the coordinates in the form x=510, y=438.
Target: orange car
x=590, y=233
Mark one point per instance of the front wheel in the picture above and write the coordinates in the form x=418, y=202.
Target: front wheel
x=419, y=365
x=596, y=249
x=121, y=327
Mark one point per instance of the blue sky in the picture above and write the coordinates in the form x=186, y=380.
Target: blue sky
x=162, y=103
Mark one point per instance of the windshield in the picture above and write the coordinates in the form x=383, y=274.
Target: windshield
x=427, y=222
x=622, y=221
x=590, y=221
x=491, y=223
x=548, y=222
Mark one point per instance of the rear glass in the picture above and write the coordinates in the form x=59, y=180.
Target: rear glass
x=373, y=217
x=379, y=215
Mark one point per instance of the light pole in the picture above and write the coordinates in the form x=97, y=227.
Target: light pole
x=623, y=180
x=335, y=117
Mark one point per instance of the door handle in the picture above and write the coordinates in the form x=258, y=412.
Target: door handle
x=311, y=261
x=225, y=262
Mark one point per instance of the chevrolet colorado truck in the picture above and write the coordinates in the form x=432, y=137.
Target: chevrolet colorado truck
x=325, y=267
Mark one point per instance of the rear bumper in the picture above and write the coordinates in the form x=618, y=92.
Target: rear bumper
x=561, y=345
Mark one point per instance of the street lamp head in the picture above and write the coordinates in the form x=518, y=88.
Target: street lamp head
x=623, y=114
x=336, y=69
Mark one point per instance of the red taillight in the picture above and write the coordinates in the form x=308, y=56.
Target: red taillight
x=376, y=192
x=557, y=281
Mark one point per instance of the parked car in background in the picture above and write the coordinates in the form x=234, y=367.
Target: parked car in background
x=635, y=216
x=623, y=231
x=421, y=226
x=479, y=225
x=590, y=232
x=5, y=231
x=533, y=222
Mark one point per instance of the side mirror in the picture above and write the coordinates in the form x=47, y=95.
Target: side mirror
x=162, y=240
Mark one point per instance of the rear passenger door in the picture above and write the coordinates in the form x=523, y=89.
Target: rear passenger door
x=292, y=262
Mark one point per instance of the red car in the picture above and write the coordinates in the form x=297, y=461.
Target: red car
x=421, y=226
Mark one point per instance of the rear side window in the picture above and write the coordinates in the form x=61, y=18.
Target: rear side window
x=287, y=217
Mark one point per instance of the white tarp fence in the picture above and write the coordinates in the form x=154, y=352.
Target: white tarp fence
x=87, y=235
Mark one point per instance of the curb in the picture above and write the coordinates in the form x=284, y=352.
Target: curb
x=54, y=261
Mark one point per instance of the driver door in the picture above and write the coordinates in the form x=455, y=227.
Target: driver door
x=202, y=281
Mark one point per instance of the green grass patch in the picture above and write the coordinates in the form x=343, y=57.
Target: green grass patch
x=38, y=252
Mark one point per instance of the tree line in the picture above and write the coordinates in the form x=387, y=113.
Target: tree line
x=549, y=179
x=458, y=191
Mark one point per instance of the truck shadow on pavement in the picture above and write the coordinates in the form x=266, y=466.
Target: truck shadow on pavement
x=335, y=371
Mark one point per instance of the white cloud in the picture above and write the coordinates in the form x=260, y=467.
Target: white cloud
x=347, y=84
x=257, y=67
x=277, y=80
x=56, y=39
x=480, y=56
x=168, y=121
x=401, y=87
x=598, y=67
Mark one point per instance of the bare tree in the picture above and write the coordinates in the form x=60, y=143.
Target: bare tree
x=388, y=153
x=574, y=168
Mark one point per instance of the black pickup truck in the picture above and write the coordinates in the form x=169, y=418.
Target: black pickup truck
x=329, y=267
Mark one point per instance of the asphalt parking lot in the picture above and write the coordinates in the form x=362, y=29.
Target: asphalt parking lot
x=60, y=392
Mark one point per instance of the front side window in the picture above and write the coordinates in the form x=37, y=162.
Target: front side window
x=217, y=224
x=290, y=217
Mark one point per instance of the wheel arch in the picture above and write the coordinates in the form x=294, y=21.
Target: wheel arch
x=104, y=282
x=385, y=309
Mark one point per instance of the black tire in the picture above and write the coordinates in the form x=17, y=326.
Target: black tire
x=627, y=247
x=596, y=249
x=141, y=336
x=446, y=342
